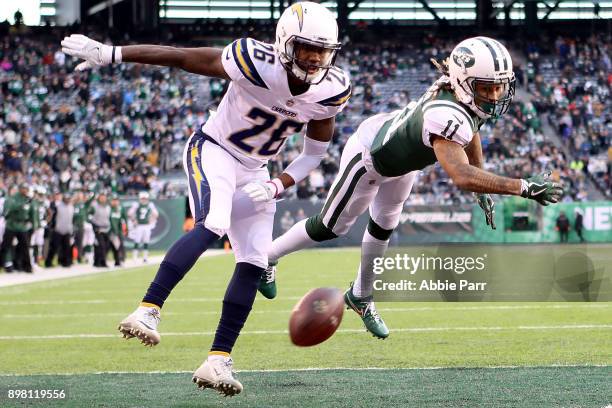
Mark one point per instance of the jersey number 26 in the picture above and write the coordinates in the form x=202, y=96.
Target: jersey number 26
x=277, y=137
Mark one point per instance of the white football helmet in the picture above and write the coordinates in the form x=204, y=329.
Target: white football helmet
x=143, y=197
x=310, y=26
x=478, y=62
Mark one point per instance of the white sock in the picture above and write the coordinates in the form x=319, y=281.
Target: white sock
x=145, y=254
x=370, y=248
x=135, y=253
x=293, y=240
x=90, y=257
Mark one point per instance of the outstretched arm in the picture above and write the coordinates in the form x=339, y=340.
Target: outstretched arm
x=455, y=162
x=202, y=61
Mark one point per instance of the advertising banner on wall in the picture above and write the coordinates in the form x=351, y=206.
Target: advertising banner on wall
x=517, y=221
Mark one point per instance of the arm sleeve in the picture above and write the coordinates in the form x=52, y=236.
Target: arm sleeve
x=312, y=154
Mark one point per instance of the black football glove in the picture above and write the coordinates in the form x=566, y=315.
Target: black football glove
x=541, y=189
x=488, y=206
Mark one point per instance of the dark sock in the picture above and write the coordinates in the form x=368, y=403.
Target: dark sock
x=178, y=261
x=237, y=304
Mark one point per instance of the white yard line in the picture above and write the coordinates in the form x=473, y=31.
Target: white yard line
x=112, y=301
x=46, y=274
x=267, y=332
x=315, y=369
x=52, y=315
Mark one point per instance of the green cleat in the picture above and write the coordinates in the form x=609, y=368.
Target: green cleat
x=365, y=308
x=267, y=284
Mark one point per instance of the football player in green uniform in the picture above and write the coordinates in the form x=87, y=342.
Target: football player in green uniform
x=381, y=160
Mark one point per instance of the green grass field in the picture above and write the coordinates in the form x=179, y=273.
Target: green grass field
x=62, y=335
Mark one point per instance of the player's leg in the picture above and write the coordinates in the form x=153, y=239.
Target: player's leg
x=6, y=258
x=146, y=238
x=385, y=212
x=137, y=240
x=212, y=181
x=250, y=235
x=349, y=196
x=88, y=242
x=33, y=248
x=22, y=251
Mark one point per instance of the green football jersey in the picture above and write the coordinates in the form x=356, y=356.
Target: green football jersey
x=403, y=142
x=144, y=213
x=118, y=217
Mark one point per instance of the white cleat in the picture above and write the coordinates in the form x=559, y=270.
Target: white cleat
x=216, y=373
x=142, y=324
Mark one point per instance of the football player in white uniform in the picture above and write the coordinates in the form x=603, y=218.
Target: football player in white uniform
x=380, y=162
x=276, y=90
x=144, y=216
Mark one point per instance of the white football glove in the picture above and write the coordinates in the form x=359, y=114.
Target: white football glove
x=259, y=191
x=93, y=52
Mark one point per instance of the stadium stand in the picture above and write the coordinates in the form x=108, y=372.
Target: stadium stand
x=123, y=127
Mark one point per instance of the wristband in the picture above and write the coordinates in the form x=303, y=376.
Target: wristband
x=524, y=187
x=117, y=57
x=278, y=185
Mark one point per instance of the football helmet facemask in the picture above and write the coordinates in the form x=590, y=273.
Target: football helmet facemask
x=307, y=41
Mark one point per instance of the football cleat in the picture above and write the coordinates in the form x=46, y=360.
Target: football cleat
x=142, y=324
x=365, y=308
x=216, y=373
x=267, y=283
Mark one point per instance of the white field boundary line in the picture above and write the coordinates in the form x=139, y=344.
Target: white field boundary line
x=315, y=369
x=266, y=332
x=115, y=301
x=285, y=311
x=50, y=274
x=281, y=298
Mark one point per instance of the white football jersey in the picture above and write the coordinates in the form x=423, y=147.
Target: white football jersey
x=258, y=112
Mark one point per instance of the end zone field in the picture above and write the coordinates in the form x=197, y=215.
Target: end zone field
x=62, y=335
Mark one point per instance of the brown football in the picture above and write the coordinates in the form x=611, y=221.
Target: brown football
x=316, y=316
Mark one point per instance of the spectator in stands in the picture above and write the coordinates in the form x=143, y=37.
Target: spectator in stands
x=286, y=222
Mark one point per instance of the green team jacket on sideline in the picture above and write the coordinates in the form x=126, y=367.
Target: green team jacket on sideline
x=20, y=213
x=117, y=217
x=81, y=211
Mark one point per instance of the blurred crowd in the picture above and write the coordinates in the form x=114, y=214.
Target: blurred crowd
x=574, y=88
x=122, y=129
